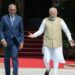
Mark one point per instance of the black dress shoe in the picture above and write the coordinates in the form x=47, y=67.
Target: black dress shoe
x=46, y=72
x=15, y=74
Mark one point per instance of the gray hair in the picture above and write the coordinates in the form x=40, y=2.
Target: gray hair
x=53, y=8
x=10, y=5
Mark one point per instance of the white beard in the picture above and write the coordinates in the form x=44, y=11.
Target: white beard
x=52, y=18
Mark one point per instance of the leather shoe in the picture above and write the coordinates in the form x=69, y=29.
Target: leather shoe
x=46, y=72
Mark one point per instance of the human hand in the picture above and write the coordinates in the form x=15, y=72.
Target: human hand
x=4, y=43
x=21, y=46
x=72, y=43
x=30, y=35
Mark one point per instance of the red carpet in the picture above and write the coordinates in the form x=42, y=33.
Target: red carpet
x=70, y=62
x=32, y=63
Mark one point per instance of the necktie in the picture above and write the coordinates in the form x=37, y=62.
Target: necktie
x=12, y=20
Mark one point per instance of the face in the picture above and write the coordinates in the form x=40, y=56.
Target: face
x=53, y=12
x=12, y=9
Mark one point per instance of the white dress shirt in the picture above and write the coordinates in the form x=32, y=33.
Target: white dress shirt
x=12, y=18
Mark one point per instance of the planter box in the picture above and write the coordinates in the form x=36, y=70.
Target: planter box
x=69, y=53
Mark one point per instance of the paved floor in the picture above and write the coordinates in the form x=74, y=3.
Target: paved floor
x=40, y=71
x=67, y=70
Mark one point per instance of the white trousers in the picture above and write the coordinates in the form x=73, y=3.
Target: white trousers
x=55, y=54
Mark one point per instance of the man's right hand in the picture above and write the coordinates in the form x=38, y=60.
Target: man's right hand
x=4, y=43
x=30, y=35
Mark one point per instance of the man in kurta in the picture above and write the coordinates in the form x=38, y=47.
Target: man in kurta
x=52, y=27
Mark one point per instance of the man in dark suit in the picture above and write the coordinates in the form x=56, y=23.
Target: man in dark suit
x=12, y=38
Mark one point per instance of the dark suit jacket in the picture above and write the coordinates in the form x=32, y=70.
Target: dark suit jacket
x=7, y=31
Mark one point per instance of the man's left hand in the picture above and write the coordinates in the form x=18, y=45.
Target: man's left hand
x=72, y=43
x=21, y=46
